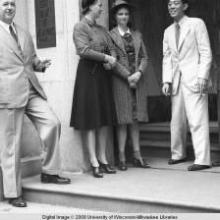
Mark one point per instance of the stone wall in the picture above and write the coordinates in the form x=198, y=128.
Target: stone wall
x=58, y=81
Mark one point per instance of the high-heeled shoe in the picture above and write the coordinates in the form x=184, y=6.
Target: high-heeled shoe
x=107, y=168
x=97, y=172
x=122, y=166
x=141, y=163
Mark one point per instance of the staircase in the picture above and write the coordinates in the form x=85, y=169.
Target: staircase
x=155, y=140
x=161, y=189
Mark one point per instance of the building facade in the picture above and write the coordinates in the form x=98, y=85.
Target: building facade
x=59, y=79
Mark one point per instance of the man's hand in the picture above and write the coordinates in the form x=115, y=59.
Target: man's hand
x=203, y=85
x=46, y=63
x=42, y=65
x=166, y=89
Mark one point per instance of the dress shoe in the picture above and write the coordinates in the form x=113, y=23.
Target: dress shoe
x=46, y=178
x=107, y=168
x=141, y=163
x=172, y=162
x=122, y=166
x=18, y=202
x=97, y=172
x=196, y=167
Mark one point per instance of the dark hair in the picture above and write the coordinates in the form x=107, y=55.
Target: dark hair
x=86, y=4
x=185, y=1
x=116, y=11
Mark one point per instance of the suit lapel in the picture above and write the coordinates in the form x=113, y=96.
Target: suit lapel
x=183, y=33
x=173, y=37
x=10, y=42
x=117, y=39
x=21, y=37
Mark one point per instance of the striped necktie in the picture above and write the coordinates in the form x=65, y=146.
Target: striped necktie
x=13, y=34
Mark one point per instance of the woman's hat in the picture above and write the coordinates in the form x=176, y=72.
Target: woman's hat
x=119, y=4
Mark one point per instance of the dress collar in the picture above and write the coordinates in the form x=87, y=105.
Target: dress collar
x=122, y=32
x=89, y=21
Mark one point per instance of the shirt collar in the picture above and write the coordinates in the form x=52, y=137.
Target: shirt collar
x=122, y=32
x=89, y=21
x=6, y=26
x=182, y=21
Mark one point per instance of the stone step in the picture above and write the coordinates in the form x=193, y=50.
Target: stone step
x=162, y=149
x=165, y=127
x=155, y=140
x=161, y=131
x=135, y=191
x=165, y=136
x=30, y=167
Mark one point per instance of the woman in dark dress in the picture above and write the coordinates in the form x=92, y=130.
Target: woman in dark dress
x=130, y=98
x=93, y=110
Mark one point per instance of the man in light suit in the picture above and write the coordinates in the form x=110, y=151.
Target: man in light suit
x=186, y=65
x=21, y=93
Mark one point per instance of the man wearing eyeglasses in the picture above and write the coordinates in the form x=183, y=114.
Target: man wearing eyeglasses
x=186, y=65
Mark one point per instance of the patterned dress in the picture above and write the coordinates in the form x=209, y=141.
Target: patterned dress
x=130, y=50
x=131, y=105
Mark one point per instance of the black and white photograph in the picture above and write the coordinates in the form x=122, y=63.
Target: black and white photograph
x=110, y=109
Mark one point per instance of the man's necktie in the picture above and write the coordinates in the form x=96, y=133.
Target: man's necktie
x=177, y=34
x=13, y=34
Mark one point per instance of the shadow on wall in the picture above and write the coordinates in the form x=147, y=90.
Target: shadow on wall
x=73, y=148
x=30, y=143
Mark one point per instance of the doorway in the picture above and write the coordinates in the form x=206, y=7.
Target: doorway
x=151, y=18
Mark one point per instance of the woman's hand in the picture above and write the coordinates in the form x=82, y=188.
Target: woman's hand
x=110, y=60
x=134, y=79
x=107, y=66
x=132, y=85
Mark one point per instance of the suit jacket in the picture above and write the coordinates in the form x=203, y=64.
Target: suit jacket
x=17, y=68
x=92, y=42
x=122, y=91
x=192, y=59
x=140, y=50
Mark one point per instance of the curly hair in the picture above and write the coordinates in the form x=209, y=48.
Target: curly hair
x=113, y=15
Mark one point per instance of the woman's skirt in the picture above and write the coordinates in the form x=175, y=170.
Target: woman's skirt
x=93, y=106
